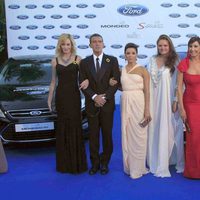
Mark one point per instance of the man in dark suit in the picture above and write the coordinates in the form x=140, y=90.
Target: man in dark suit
x=99, y=102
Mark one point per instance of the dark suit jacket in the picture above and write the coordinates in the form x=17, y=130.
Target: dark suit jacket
x=99, y=83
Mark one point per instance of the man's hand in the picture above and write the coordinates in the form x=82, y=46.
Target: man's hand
x=100, y=100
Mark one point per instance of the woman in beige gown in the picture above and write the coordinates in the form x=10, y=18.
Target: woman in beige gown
x=3, y=161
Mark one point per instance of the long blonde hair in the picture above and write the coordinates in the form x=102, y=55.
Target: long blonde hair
x=63, y=37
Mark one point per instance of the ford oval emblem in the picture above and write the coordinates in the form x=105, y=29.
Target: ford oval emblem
x=81, y=5
x=76, y=36
x=183, y=25
x=83, y=46
x=82, y=26
x=88, y=36
x=65, y=26
x=64, y=6
x=40, y=37
x=48, y=6
x=31, y=6
x=33, y=47
x=16, y=47
x=183, y=5
x=56, y=16
x=98, y=5
x=132, y=10
x=197, y=25
x=31, y=27
x=55, y=37
x=23, y=37
x=191, y=15
x=166, y=5
x=49, y=47
x=13, y=6
x=197, y=5
x=90, y=16
x=48, y=26
x=22, y=16
x=175, y=35
x=191, y=35
x=122, y=56
x=149, y=46
x=39, y=16
x=142, y=56
x=73, y=16
x=116, y=46
x=174, y=15
x=15, y=27
x=35, y=113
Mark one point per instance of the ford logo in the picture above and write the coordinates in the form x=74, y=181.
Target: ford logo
x=33, y=47
x=48, y=26
x=182, y=45
x=56, y=16
x=116, y=46
x=98, y=5
x=39, y=16
x=35, y=112
x=197, y=5
x=174, y=15
x=15, y=27
x=31, y=27
x=40, y=37
x=55, y=37
x=49, y=47
x=13, y=6
x=191, y=35
x=83, y=46
x=88, y=36
x=183, y=25
x=23, y=37
x=175, y=35
x=16, y=47
x=197, y=25
x=65, y=26
x=81, y=5
x=31, y=6
x=183, y=5
x=73, y=16
x=82, y=26
x=122, y=56
x=132, y=10
x=64, y=6
x=149, y=46
x=166, y=5
x=191, y=15
x=48, y=6
x=90, y=16
x=76, y=36
x=142, y=56
x=22, y=17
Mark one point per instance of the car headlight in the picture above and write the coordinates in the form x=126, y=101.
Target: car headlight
x=2, y=114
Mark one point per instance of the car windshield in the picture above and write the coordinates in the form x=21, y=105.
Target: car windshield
x=26, y=72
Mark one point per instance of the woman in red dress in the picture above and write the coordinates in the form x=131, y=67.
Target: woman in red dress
x=189, y=100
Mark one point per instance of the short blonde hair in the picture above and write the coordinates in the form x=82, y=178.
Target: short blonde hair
x=63, y=37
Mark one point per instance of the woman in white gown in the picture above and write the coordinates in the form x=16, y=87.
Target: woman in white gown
x=165, y=130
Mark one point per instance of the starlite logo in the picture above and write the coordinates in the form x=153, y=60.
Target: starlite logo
x=81, y=5
x=33, y=47
x=23, y=37
x=65, y=26
x=40, y=37
x=132, y=10
x=16, y=47
x=14, y=6
x=64, y=6
x=22, y=16
x=15, y=27
x=39, y=16
x=31, y=6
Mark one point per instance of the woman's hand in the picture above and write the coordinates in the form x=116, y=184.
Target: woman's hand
x=174, y=106
x=49, y=105
x=84, y=84
x=112, y=81
x=183, y=115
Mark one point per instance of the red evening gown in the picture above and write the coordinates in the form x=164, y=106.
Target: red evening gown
x=191, y=101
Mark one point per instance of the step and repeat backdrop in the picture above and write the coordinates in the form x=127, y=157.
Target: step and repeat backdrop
x=33, y=26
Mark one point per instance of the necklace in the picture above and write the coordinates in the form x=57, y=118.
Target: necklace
x=66, y=61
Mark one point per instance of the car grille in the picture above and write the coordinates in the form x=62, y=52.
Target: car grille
x=29, y=113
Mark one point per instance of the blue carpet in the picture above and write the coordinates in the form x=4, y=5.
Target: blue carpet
x=32, y=175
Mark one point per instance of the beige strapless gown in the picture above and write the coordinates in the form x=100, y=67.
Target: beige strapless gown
x=3, y=161
x=134, y=137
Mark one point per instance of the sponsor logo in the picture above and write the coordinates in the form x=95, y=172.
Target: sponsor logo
x=31, y=27
x=98, y=5
x=132, y=10
x=116, y=46
x=22, y=16
x=142, y=56
x=197, y=5
x=33, y=47
x=182, y=25
x=88, y=36
x=83, y=46
x=143, y=25
x=39, y=16
x=115, y=26
x=15, y=27
x=183, y=5
x=35, y=113
x=191, y=15
x=90, y=16
x=64, y=5
x=175, y=35
x=76, y=36
x=56, y=16
x=81, y=5
x=16, y=47
x=13, y=6
x=23, y=37
x=40, y=37
x=48, y=26
x=49, y=47
x=149, y=46
x=82, y=26
x=197, y=25
x=73, y=16
x=55, y=37
x=182, y=45
x=166, y=5
x=31, y=6
x=65, y=26
x=191, y=35
x=174, y=15
x=48, y=6
x=122, y=56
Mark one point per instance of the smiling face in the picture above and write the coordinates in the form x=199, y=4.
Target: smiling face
x=194, y=49
x=163, y=47
x=97, y=45
x=66, y=46
x=131, y=55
